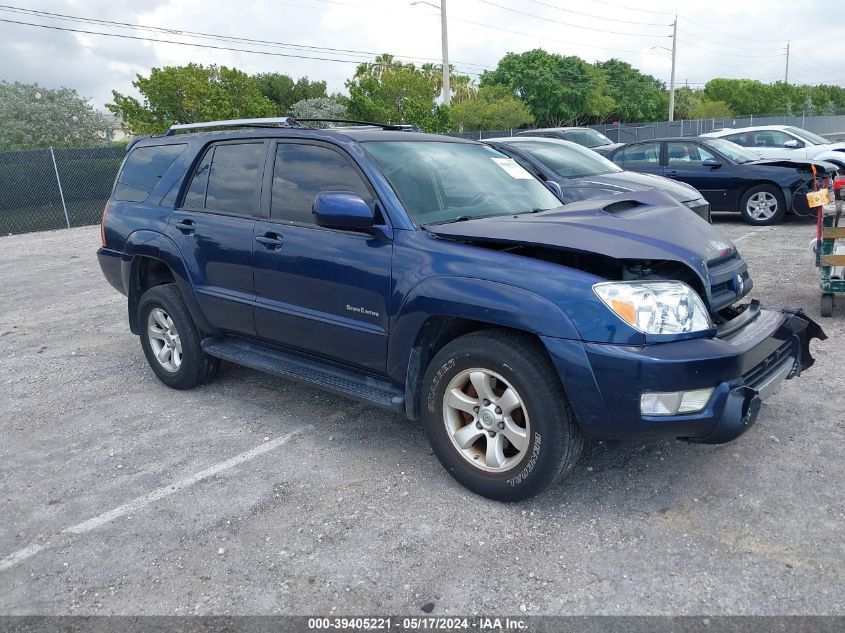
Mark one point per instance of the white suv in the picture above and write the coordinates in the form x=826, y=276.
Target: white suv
x=785, y=141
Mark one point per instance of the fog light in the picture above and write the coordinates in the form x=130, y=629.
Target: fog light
x=675, y=402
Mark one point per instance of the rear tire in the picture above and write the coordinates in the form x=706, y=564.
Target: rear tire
x=497, y=417
x=762, y=205
x=170, y=340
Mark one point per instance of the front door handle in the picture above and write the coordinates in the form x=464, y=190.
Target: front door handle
x=673, y=174
x=186, y=226
x=270, y=241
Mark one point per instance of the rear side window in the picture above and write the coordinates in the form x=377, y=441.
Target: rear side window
x=235, y=178
x=303, y=171
x=227, y=179
x=142, y=170
x=644, y=155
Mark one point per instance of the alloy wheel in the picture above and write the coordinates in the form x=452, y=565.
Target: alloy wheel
x=164, y=340
x=486, y=420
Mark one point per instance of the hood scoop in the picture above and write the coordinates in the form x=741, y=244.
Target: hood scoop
x=624, y=207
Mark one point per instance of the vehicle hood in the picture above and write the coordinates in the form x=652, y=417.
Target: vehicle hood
x=642, y=225
x=827, y=147
x=794, y=163
x=625, y=181
x=604, y=150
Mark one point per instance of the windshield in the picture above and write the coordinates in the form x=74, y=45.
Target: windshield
x=813, y=139
x=588, y=138
x=732, y=150
x=567, y=159
x=443, y=182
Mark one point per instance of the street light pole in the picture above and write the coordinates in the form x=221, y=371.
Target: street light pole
x=444, y=41
x=672, y=79
x=446, y=91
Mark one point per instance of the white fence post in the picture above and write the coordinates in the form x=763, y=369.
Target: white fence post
x=59, y=182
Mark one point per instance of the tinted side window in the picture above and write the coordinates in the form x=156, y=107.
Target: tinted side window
x=235, y=177
x=195, y=196
x=143, y=169
x=303, y=171
x=647, y=154
x=739, y=139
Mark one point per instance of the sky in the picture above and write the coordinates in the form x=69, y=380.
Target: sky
x=716, y=38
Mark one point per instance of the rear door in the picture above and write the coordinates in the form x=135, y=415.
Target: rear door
x=322, y=291
x=684, y=162
x=213, y=228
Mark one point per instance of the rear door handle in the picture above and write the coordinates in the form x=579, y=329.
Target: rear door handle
x=270, y=241
x=186, y=226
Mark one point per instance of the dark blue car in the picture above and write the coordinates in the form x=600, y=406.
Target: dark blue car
x=435, y=277
x=730, y=177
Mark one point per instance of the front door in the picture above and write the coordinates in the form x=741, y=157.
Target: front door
x=684, y=162
x=322, y=291
x=213, y=229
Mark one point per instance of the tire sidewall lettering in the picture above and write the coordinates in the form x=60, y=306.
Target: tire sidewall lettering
x=532, y=461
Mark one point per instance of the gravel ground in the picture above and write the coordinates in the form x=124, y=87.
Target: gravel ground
x=330, y=506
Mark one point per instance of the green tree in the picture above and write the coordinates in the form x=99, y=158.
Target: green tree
x=491, y=108
x=557, y=89
x=318, y=108
x=686, y=101
x=706, y=109
x=637, y=97
x=188, y=94
x=284, y=91
x=32, y=116
x=389, y=91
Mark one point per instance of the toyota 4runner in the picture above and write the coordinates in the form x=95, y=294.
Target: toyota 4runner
x=435, y=277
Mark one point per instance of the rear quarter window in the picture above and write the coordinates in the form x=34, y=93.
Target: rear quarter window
x=143, y=169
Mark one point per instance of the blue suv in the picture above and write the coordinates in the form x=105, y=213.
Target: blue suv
x=436, y=277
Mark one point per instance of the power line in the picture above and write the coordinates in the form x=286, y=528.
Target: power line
x=722, y=52
x=213, y=36
x=604, y=18
x=619, y=6
x=195, y=44
x=725, y=34
x=579, y=26
x=722, y=45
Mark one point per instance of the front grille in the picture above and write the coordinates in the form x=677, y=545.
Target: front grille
x=729, y=280
x=759, y=373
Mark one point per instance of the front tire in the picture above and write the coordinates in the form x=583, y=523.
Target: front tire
x=762, y=205
x=496, y=415
x=170, y=339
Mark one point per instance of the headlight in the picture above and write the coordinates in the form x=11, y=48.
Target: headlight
x=655, y=307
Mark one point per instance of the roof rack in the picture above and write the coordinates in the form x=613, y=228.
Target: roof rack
x=283, y=121
x=383, y=126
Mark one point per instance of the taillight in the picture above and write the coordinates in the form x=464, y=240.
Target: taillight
x=103, y=225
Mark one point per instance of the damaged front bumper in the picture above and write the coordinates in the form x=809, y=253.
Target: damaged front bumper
x=744, y=363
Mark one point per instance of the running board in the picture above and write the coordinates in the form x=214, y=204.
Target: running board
x=341, y=381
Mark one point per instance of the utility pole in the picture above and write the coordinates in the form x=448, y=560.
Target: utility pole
x=672, y=79
x=446, y=91
x=444, y=37
x=786, y=75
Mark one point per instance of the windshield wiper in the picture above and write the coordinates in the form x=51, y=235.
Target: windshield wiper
x=535, y=210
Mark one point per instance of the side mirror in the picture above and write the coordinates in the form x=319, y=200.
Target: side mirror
x=793, y=144
x=342, y=210
x=712, y=163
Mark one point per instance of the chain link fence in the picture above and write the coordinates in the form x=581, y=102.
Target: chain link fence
x=55, y=188
x=832, y=126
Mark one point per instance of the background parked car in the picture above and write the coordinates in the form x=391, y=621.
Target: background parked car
x=581, y=174
x=785, y=141
x=730, y=177
x=585, y=136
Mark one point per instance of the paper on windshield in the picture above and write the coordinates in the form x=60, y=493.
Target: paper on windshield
x=514, y=169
